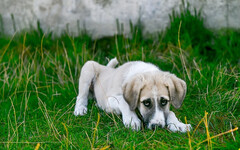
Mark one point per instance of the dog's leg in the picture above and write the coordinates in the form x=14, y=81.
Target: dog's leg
x=175, y=125
x=130, y=118
x=88, y=73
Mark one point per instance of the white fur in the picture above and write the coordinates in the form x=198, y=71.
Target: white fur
x=112, y=63
x=118, y=105
x=158, y=117
x=139, y=67
x=175, y=125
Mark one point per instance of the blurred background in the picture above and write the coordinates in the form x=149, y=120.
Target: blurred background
x=100, y=17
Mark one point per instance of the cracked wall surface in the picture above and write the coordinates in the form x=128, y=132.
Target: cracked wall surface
x=99, y=17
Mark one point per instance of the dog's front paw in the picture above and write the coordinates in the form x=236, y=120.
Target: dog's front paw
x=80, y=110
x=132, y=122
x=179, y=127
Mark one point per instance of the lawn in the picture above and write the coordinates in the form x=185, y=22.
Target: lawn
x=39, y=83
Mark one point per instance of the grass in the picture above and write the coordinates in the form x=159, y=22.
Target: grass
x=39, y=80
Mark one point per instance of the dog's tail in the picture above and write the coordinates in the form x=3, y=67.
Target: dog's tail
x=112, y=63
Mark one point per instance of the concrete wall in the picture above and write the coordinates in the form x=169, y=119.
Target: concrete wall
x=98, y=17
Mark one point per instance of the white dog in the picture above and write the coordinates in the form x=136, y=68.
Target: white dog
x=133, y=86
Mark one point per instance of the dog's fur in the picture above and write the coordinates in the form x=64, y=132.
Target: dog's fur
x=133, y=86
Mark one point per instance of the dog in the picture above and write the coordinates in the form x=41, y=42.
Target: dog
x=136, y=90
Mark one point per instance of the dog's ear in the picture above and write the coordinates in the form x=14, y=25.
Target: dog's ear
x=132, y=90
x=177, y=90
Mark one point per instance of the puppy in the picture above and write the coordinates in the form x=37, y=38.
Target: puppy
x=133, y=87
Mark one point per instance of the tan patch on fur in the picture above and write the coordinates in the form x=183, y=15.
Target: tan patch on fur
x=154, y=87
x=131, y=91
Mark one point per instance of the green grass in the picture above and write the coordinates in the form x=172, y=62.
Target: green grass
x=39, y=80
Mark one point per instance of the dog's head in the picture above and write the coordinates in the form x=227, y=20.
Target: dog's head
x=152, y=93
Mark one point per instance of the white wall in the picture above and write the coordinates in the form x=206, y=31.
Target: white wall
x=99, y=17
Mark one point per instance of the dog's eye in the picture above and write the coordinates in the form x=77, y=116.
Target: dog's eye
x=147, y=103
x=163, y=102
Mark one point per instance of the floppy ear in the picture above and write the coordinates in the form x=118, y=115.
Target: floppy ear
x=177, y=89
x=132, y=90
